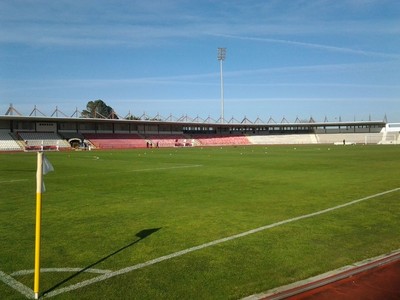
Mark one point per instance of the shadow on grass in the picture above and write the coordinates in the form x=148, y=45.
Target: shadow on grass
x=141, y=235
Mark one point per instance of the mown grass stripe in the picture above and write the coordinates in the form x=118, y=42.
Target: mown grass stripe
x=209, y=244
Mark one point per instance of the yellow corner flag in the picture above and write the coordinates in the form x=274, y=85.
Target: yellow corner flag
x=43, y=167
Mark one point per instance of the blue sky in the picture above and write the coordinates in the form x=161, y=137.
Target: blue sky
x=285, y=58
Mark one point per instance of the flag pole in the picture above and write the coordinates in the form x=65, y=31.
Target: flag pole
x=39, y=185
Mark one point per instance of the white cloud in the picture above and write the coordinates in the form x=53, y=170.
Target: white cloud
x=143, y=23
x=313, y=45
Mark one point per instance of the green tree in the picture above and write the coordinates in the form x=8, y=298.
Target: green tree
x=132, y=117
x=98, y=109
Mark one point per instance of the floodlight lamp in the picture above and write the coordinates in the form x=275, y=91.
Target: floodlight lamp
x=221, y=53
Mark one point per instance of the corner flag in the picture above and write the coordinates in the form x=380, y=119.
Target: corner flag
x=43, y=167
x=47, y=166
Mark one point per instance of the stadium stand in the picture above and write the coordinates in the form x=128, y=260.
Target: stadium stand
x=72, y=135
x=7, y=143
x=390, y=138
x=77, y=140
x=116, y=140
x=43, y=140
x=52, y=141
x=288, y=139
x=220, y=140
x=169, y=140
x=47, y=133
x=391, y=134
x=350, y=138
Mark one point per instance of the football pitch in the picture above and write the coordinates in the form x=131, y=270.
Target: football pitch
x=194, y=223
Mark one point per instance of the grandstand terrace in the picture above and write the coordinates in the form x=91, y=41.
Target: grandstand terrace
x=32, y=132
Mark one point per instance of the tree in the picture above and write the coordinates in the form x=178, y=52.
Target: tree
x=132, y=117
x=98, y=109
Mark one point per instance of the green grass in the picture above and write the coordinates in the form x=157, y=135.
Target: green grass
x=96, y=202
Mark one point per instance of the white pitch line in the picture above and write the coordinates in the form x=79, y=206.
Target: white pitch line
x=206, y=245
x=135, y=170
x=16, y=285
x=166, y=168
x=13, y=180
x=26, y=291
x=51, y=270
x=143, y=170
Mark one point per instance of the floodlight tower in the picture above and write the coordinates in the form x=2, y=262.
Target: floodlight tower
x=221, y=58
